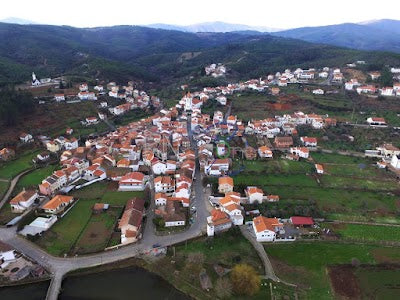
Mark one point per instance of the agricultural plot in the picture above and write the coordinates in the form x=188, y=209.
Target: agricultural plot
x=35, y=177
x=370, y=233
x=306, y=264
x=12, y=168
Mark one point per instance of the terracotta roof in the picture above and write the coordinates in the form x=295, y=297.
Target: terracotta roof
x=262, y=223
x=298, y=221
x=219, y=217
x=22, y=196
x=57, y=201
x=225, y=180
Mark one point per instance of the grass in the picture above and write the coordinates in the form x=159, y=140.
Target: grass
x=35, y=177
x=338, y=158
x=305, y=263
x=274, y=180
x=12, y=168
x=3, y=188
x=356, y=183
x=65, y=233
x=6, y=215
x=379, y=282
x=369, y=232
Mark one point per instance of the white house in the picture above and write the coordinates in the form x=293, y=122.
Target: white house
x=318, y=92
x=219, y=221
x=254, y=194
x=23, y=200
x=302, y=152
x=265, y=229
x=160, y=199
x=395, y=162
x=133, y=181
x=374, y=121
x=25, y=137
x=59, y=97
x=158, y=167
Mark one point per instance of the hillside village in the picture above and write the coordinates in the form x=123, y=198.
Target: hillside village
x=185, y=165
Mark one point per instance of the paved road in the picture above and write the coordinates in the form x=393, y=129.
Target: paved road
x=59, y=266
x=13, y=183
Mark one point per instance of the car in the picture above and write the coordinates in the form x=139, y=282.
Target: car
x=157, y=245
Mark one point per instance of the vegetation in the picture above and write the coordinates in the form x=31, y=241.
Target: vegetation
x=245, y=280
x=14, y=104
x=12, y=168
x=372, y=233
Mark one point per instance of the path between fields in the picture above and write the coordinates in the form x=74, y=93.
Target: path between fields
x=364, y=223
x=269, y=270
x=13, y=184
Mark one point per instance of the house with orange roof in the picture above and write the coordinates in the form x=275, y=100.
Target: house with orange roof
x=133, y=181
x=235, y=212
x=6, y=154
x=302, y=152
x=23, y=200
x=160, y=199
x=219, y=221
x=225, y=184
x=309, y=141
x=265, y=152
x=319, y=168
x=254, y=194
x=57, y=204
x=273, y=198
x=265, y=228
x=130, y=223
x=164, y=184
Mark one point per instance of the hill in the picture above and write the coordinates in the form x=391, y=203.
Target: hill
x=385, y=24
x=373, y=36
x=133, y=52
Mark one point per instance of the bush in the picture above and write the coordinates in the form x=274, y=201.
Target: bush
x=245, y=280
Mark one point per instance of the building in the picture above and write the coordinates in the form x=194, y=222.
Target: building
x=23, y=200
x=283, y=141
x=254, y=194
x=309, y=141
x=302, y=152
x=319, y=168
x=133, y=181
x=225, y=184
x=302, y=221
x=6, y=154
x=265, y=228
x=26, y=137
x=219, y=221
x=265, y=152
x=395, y=161
x=374, y=121
x=173, y=214
x=57, y=204
x=130, y=223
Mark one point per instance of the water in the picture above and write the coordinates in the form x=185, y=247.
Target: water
x=121, y=284
x=35, y=291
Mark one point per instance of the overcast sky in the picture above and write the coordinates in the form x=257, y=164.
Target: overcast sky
x=278, y=14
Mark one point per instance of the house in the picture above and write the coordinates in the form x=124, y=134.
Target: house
x=318, y=92
x=52, y=146
x=6, y=154
x=387, y=91
x=59, y=97
x=25, y=137
x=283, y=141
x=173, y=214
x=158, y=167
x=83, y=87
x=265, y=152
x=130, y=223
x=250, y=153
x=225, y=184
x=374, y=121
x=254, y=194
x=7, y=255
x=302, y=152
x=302, y=221
x=219, y=221
x=23, y=200
x=100, y=207
x=164, y=184
x=133, y=181
x=57, y=204
x=160, y=199
x=265, y=229
x=319, y=168
x=374, y=75
x=309, y=141
x=273, y=198
x=366, y=89
x=395, y=161
x=91, y=120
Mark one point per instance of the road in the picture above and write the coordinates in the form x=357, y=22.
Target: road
x=13, y=183
x=60, y=266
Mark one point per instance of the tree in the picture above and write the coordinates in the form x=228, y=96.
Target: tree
x=223, y=288
x=245, y=280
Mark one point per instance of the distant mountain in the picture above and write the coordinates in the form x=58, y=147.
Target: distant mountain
x=371, y=36
x=17, y=21
x=160, y=56
x=385, y=24
x=214, y=27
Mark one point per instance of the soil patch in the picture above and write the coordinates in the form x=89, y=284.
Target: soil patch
x=344, y=283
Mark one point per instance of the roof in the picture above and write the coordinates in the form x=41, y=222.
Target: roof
x=133, y=176
x=252, y=190
x=262, y=223
x=302, y=221
x=22, y=196
x=219, y=217
x=225, y=180
x=57, y=201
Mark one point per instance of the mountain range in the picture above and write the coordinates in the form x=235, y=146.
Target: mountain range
x=157, y=55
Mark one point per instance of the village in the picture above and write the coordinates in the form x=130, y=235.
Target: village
x=181, y=167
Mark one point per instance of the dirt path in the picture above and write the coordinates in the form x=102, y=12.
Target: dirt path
x=14, y=182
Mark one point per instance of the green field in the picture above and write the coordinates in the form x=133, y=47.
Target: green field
x=12, y=168
x=65, y=233
x=35, y=177
x=3, y=188
x=379, y=282
x=371, y=233
x=338, y=159
x=305, y=263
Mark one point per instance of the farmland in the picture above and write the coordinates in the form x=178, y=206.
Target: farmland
x=12, y=168
x=79, y=231
x=368, y=233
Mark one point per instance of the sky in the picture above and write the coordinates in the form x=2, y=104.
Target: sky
x=277, y=14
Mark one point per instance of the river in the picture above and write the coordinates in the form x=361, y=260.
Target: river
x=120, y=284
